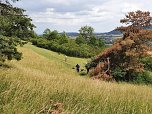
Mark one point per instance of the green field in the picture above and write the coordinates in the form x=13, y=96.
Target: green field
x=41, y=76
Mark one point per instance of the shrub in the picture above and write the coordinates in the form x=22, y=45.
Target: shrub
x=143, y=77
x=118, y=74
x=147, y=61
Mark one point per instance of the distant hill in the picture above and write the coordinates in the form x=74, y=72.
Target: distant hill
x=117, y=32
x=149, y=28
x=72, y=34
x=113, y=32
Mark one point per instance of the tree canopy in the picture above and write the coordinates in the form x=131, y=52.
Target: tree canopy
x=8, y=50
x=87, y=36
x=14, y=22
x=87, y=32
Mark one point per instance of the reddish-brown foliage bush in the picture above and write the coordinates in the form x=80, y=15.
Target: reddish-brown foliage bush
x=53, y=108
x=126, y=52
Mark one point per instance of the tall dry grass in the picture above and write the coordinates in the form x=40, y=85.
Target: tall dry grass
x=39, y=77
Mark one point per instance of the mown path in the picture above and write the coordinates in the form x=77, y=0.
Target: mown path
x=60, y=58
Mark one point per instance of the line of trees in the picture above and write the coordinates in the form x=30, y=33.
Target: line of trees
x=85, y=45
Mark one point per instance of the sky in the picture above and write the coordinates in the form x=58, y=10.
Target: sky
x=70, y=15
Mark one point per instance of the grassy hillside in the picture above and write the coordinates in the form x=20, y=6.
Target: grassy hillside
x=42, y=76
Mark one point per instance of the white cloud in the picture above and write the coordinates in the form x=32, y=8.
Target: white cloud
x=70, y=15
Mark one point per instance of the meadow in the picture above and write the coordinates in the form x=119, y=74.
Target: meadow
x=43, y=76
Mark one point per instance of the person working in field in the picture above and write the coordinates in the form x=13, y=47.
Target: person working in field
x=77, y=67
x=87, y=68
